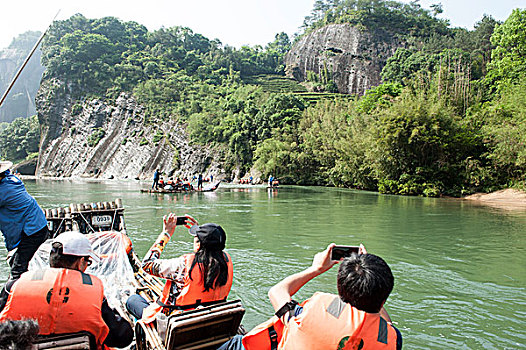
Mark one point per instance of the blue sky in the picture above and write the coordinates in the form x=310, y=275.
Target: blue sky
x=234, y=22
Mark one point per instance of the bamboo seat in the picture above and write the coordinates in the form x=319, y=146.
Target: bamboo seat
x=204, y=328
x=73, y=341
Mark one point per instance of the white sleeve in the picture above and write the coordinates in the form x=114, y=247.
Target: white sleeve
x=173, y=269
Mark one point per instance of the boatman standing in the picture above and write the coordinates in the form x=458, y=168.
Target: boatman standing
x=156, y=176
x=200, y=182
x=22, y=222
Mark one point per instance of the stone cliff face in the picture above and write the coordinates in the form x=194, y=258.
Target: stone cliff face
x=21, y=99
x=94, y=138
x=353, y=57
x=101, y=140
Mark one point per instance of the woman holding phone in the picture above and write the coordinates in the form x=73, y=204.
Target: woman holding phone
x=202, y=277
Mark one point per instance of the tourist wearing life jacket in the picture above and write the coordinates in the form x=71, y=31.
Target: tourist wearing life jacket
x=353, y=319
x=22, y=222
x=203, y=277
x=63, y=299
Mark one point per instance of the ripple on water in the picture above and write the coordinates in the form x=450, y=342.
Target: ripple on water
x=460, y=270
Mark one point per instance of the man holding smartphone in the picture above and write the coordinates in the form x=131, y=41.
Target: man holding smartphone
x=353, y=319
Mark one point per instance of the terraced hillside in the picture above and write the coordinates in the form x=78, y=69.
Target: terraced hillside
x=275, y=83
x=313, y=97
x=282, y=84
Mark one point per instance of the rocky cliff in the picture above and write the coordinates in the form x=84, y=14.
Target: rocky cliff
x=97, y=139
x=102, y=139
x=21, y=100
x=353, y=57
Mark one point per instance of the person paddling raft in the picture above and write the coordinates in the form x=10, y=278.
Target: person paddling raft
x=270, y=180
x=156, y=177
x=22, y=222
x=200, y=182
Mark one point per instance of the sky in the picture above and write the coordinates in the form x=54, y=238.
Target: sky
x=233, y=22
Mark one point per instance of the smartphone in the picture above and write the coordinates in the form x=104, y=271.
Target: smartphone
x=181, y=220
x=343, y=251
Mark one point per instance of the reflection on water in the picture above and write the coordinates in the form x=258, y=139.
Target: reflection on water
x=460, y=268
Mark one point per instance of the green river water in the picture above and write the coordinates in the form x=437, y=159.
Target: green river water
x=460, y=268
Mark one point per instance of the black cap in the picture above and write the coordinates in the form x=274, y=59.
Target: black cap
x=210, y=235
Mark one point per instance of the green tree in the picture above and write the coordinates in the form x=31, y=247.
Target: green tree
x=405, y=63
x=20, y=139
x=505, y=132
x=508, y=59
x=281, y=44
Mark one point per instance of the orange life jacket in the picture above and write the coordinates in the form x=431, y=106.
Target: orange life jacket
x=192, y=294
x=61, y=300
x=325, y=323
x=266, y=335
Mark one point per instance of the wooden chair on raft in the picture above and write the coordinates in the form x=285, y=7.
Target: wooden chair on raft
x=69, y=341
x=200, y=329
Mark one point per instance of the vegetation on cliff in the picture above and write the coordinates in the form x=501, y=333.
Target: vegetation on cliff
x=449, y=118
x=19, y=139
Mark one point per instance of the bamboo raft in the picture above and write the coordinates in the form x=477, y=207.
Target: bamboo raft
x=209, y=188
x=202, y=328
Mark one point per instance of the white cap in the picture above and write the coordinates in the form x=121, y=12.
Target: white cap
x=75, y=243
x=5, y=165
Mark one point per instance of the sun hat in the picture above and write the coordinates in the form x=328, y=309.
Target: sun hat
x=75, y=243
x=209, y=234
x=5, y=165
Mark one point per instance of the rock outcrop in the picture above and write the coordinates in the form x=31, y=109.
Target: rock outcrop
x=112, y=140
x=95, y=138
x=21, y=100
x=353, y=58
x=27, y=167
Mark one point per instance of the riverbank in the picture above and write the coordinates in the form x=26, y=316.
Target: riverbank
x=508, y=199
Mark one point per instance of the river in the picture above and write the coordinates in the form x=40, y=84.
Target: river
x=460, y=268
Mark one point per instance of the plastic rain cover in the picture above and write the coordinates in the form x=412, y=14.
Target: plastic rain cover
x=114, y=268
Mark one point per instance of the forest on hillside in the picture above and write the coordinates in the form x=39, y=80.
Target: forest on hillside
x=449, y=118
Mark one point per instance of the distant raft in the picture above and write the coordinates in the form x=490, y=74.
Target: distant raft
x=209, y=188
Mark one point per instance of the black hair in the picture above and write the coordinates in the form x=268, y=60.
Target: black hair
x=58, y=259
x=212, y=264
x=17, y=335
x=365, y=281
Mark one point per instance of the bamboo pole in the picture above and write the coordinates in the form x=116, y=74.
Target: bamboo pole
x=15, y=78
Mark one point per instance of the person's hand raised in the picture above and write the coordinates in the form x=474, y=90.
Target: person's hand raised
x=322, y=261
x=169, y=223
x=190, y=221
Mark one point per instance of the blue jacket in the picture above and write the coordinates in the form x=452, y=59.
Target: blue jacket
x=19, y=212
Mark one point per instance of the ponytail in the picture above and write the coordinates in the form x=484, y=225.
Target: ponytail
x=213, y=266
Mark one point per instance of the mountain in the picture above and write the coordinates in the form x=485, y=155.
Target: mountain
x=21, y=100
x=396, y=101
x=350, y=58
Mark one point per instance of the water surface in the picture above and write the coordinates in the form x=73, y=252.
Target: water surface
x=460, y=268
